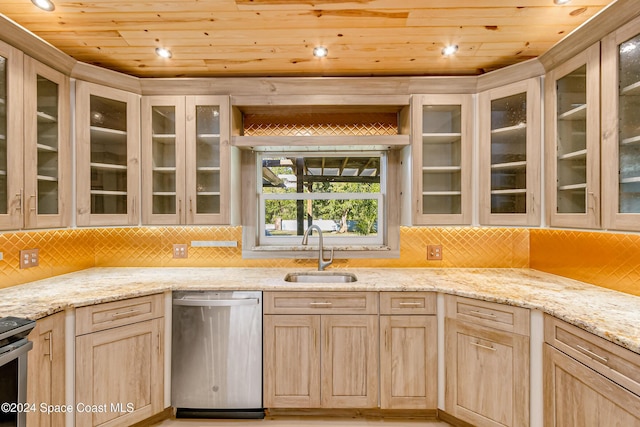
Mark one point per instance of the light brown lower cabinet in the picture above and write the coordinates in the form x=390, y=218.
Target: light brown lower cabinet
x=408, y=350
x=315, y=359
x=487, y=369
x=577, y=396
x=46, y=373
x=120, y=369
x=588, y=381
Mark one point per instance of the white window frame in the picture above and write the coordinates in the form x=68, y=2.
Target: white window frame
x=329, y=240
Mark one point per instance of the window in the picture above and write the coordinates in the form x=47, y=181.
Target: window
x=342, y=193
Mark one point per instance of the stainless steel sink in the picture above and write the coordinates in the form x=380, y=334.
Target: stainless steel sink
x=321, y=277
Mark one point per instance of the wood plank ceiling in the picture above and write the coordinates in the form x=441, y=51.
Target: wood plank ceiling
x=276, y=37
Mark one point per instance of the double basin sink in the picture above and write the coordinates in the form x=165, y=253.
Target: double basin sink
x=321, y=277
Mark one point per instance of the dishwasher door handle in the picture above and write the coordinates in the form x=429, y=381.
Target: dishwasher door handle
x=216, y=302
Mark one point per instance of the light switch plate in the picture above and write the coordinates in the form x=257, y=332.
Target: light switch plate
x=29, y=258
x=434, y=252
x=180, y=250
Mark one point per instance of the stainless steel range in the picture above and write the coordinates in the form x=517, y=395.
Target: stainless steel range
x=216, y=368
x=13, y=369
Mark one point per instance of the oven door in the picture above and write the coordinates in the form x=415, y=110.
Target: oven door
x=13, y=383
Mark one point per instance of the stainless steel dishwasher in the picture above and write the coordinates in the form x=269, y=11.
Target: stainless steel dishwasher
x=216, y=365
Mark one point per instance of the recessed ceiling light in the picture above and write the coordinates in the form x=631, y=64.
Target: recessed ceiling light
x=163, y=52
x=320, y=51
x=44, y=4
x=561, y=2
x=450, y=50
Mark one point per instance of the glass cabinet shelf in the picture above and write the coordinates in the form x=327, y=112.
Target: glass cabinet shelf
x=573, y=155
x=509, y=165
x=631, y=90
x=520, y=127
x=107, y=166
x=108, y=193
x=577, y=113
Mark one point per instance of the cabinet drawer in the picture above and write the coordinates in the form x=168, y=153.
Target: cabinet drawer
x=498, y=316
x=407, y=303
x=320, y=303
x=113, y=314
x=614, y=362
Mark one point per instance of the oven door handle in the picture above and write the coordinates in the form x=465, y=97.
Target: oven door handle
x=19, y=348
x=216, y=302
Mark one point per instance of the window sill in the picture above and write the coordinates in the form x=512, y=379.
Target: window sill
x=311, y=252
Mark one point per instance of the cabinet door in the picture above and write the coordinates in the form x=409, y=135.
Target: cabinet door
x=291, y=361
x=572, y=108
x=207, y=159
x=122, y=371
x=11, y=137
x=349, y=361
x=441, y=149
x=163, y=154
x=46, y=374
x=107, y=147
x=510, y=153
x=576, y=396
x=487, y=375
x=621, y=128
x=47, y=155
x=408, y=362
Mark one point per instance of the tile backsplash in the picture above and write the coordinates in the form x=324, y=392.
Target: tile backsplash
x=604, y=259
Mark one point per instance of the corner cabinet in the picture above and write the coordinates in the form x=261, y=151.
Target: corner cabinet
x=510, y=152
x=185, y=160
x=621, y=128
x=107, y=156
x=487, y=362
x=572, y=124
x=442, y=129
x=588, y=381
x=120, y=361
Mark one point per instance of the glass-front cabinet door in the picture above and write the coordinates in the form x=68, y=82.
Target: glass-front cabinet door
x=441, y=150
x=163, y=150
x=621, y=128
x=185, y=160
x=510, y=154
x=107, y=147
x=47, y=164
x=11, y=136
x=207, y=152
x=572, y=108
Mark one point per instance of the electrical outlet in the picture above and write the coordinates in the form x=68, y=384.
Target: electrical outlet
x=180, y=250
x=29, y=258
x=434, y=252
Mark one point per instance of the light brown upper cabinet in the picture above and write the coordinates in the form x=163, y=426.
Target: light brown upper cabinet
x=572, y=113
x=186, y=156
x=510, y=151
x=47, y=147
x=442, y=127
x=11, y=137
x=35, y=185
x=621, y=128
x=107, y=151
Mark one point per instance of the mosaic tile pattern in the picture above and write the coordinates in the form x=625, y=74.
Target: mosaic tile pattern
x=61, y=251
x=606, y=259
x=609, y=260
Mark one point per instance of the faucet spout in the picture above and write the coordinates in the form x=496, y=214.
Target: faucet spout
x=322, y=263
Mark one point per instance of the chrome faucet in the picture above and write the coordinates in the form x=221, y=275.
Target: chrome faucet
x=321, y=261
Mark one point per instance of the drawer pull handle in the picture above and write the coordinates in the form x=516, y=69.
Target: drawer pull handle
x=480, y=313
x=126, y=313
x=486, y=347
x=411, y=304
x=592, y=354
x=320, y=304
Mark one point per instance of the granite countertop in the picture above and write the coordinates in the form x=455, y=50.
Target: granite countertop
x=609, y=314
